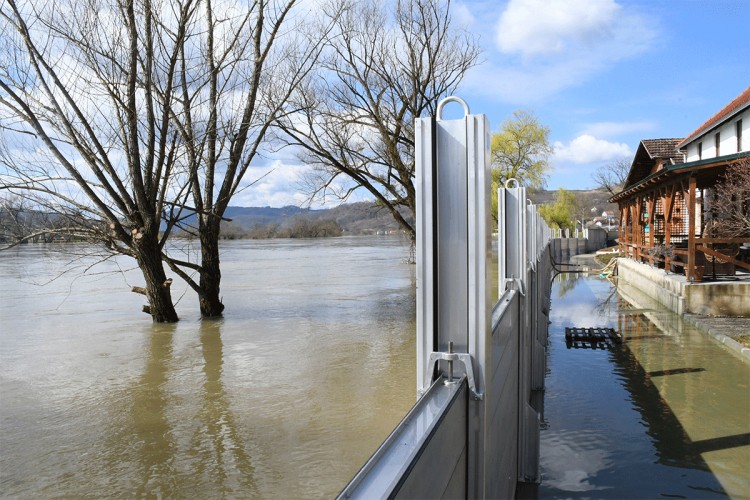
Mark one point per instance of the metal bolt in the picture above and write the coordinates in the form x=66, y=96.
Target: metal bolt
x=450, y=363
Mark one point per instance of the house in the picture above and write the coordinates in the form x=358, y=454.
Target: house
x=725, y=134
x=666, y=205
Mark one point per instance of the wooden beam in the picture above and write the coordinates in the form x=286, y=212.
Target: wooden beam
x=690, y=274
x=722, y=240
x=726, y=258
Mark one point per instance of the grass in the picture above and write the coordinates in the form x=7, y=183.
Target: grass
x=604, y=259
x=743, y=339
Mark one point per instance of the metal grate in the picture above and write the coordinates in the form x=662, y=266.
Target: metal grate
x=591, y=338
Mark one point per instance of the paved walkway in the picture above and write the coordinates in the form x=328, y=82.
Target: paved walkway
x=725, y=330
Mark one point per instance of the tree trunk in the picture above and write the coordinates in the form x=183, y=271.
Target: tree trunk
x=158, y=287
x=210, y=273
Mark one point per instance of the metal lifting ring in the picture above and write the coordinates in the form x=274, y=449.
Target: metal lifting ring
x=448, y=99
x=518, y=184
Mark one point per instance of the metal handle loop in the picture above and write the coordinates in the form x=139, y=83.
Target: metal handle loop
x=448, y=99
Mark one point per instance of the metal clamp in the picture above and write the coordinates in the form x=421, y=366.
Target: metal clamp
x=451, y=357
x=514, y=283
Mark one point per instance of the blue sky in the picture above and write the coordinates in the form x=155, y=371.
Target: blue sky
x=601, y=74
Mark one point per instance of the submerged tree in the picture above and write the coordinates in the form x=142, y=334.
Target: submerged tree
x=384, y=64
x=129, y=118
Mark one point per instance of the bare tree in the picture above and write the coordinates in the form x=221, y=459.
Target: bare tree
x=132, y=117
x=384, y=65
x=729, y=213
x=612, y=176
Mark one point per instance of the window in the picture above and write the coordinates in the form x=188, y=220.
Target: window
x=700, y=150
x=717, y=143
x=739, y=135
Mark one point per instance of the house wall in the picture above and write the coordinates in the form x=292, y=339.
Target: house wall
x=728, y=139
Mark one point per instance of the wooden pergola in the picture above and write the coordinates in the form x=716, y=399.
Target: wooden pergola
x=663, y=215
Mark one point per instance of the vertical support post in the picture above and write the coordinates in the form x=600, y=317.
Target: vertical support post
x=691, y=229
x=453, y=252
x=668, y=202
x=426, y=251
x=651, y=218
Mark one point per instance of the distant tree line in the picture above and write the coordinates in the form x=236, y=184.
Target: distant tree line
x=300, y=227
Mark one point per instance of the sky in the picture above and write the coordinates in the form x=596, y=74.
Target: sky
x=601, y=74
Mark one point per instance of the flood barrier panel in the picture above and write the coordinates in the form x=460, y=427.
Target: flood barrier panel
x=474, y=431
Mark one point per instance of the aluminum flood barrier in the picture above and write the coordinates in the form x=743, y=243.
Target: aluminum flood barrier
x=474, y=430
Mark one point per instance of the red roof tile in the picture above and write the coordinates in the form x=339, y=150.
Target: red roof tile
x=663, y=148
x=736, y=104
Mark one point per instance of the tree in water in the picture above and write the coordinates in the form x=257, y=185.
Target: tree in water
x=520, y=150
x=352, y=119
x=129, y=118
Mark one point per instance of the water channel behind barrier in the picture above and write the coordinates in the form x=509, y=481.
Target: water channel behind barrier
x=665, y=414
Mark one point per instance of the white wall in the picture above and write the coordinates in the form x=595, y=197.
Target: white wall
x=728, y=139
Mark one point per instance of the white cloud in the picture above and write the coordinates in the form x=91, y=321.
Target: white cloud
x=281, y=183
x=463, y=15
x=588, y=149
x=538, y=48
x=532, y=27
x=609, y=129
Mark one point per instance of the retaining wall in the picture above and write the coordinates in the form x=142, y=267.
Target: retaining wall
x=728, y=298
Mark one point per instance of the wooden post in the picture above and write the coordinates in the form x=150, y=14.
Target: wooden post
x=622, y=227
x=638, y=228
x=651, y=208
x=668, y=205
x=691, y=229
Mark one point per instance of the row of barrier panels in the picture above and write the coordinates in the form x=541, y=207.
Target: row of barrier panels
x=569, y=233
x=474, y=430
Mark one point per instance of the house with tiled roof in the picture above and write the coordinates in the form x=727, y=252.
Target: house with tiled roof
x=725, y=133
x=666, y=201
x=652, y=156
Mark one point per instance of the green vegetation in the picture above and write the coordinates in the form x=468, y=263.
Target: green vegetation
x=520, y=150
x=561, y=213
x=299, y=228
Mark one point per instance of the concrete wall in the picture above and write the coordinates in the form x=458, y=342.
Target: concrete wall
x=730, y=298
x=564, y=248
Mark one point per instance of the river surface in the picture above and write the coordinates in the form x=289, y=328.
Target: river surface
x=665, y=414
x=285, y=397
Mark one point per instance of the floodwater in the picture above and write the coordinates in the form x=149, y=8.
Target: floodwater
x=665, y=414
x=311, y=368
x=285, y=397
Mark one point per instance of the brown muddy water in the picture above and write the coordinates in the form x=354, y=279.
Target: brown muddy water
x=285, y=397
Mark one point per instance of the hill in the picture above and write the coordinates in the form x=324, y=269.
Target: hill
x=352, y=218
x=370, y=218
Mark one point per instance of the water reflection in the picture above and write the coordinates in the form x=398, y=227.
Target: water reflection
x=669, y=404
x=221, y=459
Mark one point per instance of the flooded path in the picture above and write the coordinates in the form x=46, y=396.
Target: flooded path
x=665, y=414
